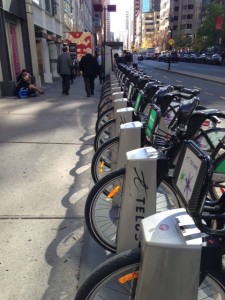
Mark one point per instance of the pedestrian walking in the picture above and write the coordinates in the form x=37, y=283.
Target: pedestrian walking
x=64, y=67
x=135, y=60
x=89, y=69
x=99, y=61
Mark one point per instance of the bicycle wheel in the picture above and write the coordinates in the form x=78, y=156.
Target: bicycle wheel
x=208, y=139
x=102, y=208
x=103, y=158
x=103, y=282
x=106, y=105
x=117, y=278
x=217, y=186
x=103, y=118
x=104, y=133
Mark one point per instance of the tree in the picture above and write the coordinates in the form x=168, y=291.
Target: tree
x=207, y=34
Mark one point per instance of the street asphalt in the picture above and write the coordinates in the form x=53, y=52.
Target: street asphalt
x=46, y=151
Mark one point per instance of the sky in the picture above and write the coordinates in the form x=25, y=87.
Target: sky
x=117, y=18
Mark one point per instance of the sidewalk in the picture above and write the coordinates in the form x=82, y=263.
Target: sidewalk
x=46, y=151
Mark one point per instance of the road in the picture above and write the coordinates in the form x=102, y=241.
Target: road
x=212, y=94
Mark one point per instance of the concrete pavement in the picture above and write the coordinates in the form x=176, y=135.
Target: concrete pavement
x=46, y=151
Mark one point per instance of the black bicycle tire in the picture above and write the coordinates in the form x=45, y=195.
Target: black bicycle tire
x=107, y=222
x=198, y=137
x=214, y=185
x=103, y=129
x=106, y=269
x=108, y=104
x=129, y=262
x=103, y=101
x=101, y=116
x=98, y=156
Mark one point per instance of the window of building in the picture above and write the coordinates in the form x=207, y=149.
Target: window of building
x=184, y=7
x=68, y=6
x=175, y=18
x=189, y=17
x=184, y=17
x=189, y=26
x=183, y=26
x=190, y=6
x=48, y=7
x=174, y=27
x=176, y=8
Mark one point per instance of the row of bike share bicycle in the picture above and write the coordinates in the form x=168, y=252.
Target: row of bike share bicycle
x=158, y=202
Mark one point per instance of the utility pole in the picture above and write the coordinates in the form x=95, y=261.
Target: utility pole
x=171, y=41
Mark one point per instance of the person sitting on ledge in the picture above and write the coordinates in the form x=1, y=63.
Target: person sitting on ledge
x=25, y=83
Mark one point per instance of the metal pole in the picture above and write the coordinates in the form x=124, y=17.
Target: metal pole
x=104, y=39
x=171, y=36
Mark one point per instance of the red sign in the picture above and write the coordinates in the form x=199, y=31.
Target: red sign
x=219, y=22
x=83, y=40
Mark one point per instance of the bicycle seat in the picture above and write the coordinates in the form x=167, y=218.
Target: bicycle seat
x=185, y=111
x=193, y=92
x=165, y=96
x=150, y=90
x=178, y=87
x=141, y=82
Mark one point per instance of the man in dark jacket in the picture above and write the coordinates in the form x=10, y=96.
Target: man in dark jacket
x=64, y=66
x=89, y=67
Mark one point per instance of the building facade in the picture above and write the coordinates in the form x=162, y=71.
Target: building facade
x=33, y=34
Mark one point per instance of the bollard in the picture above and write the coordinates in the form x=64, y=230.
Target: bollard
x=171, y=257
x=139, y=194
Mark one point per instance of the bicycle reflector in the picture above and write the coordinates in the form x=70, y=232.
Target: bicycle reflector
x=192, y=175
x=128, y=277
x=114, y=191
x=101, y=167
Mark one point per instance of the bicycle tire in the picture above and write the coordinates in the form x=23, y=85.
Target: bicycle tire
x=102, y=213
x=103, y=134
x=103, y=101
x=106, y=105
x=104, y=117
x=214, y=135
x=102, y=159
x=217, y=187
x=104, y=283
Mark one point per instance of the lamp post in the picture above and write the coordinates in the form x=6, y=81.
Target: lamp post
x=171, y=41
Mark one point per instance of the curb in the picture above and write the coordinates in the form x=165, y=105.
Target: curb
x=195, y=75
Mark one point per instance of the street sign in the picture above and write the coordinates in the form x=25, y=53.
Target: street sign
x=171, y=42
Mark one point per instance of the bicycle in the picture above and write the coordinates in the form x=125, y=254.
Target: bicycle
x=102, y=209
x=167, y=266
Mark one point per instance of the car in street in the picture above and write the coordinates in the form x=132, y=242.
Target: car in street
x=172, y=57
x=140, y=57
x=216, y=59
x=203, y=58
x=161, y=57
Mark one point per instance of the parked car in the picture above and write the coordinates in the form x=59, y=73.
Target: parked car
x=216, y=59
x=202, y=58
x=172, y=57
x=161, y=57
x=140, y=57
